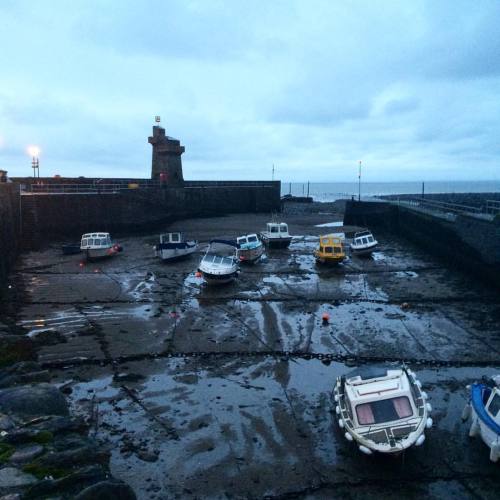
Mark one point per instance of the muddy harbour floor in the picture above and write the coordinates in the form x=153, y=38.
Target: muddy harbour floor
x=195, y=388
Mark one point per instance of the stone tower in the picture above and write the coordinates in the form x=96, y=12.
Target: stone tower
x=166, y=157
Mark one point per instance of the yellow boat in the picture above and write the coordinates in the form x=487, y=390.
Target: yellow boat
x=331, y=250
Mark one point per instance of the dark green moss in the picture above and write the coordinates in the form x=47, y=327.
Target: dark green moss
x=43, y=437
x=6, y=451
x=42, y=471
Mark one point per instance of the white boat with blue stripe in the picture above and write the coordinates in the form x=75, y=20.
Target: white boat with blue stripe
x=484, y=406
x=250, y=248
x=174, y=246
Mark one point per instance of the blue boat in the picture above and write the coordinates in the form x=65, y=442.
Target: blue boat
x=484, y=406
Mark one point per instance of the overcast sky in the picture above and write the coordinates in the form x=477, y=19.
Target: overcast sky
x=411, y=88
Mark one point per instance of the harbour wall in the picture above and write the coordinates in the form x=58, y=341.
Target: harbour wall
x=65, y=216
x=9, y=227
x=465, y=242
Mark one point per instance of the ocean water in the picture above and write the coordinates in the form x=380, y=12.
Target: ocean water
x=331, y=191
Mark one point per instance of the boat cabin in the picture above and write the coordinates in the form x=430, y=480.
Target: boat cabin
x=363, y=238
x=95, y=240
x=171, y=238
x=331, y=246
x=251, y=239
x=277, y=229
x=380, y=400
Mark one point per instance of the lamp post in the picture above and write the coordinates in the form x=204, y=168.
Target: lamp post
x=34, y=151
x=35, y=166
x=359, y=181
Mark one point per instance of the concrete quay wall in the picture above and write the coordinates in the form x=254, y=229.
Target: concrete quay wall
x=66, y=216
x=467, y=242
x=9, y=227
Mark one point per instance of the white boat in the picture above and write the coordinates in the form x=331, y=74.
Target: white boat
x=276, y=235
x=174, y=246
x=484, y=405
x=382, y=409
x=220, y=262
x=363, y=243
x=250, y=248
x=98, y=245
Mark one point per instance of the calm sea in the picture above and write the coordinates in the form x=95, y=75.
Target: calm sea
x=330, y=191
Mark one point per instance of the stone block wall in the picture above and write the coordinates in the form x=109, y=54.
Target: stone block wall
x=467, y=243
x=48, y=217
x=9, y=228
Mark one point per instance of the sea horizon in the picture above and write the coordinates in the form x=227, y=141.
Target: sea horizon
x=331, y=191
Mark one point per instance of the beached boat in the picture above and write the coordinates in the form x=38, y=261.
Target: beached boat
x=363, y=243
x=174, y=246
x=250, y=248
x=98, y=245
x=484, y=406
x=220, y=262
x=330, y=250
x=276, y=235
x=382, y=409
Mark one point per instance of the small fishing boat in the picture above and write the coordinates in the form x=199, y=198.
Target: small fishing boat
x=174, y=246
x=484, y=405
x=363, y=243
x=276, y=235
x=220, y=262
x=330, y=250
x=250, y=248
x=382, y=409
x=98, y=245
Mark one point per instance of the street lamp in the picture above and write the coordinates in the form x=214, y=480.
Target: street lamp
x=359, y=181
x=34, y=151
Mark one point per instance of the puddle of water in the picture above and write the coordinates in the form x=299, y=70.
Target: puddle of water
x=331, y=224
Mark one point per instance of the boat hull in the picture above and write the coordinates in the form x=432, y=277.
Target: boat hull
x=365, y=251
x=99, y=253
x=173, y=254
x=250, y=255
x=276, y=242
x=333, y=261
x=482, y=423
x=218, y=279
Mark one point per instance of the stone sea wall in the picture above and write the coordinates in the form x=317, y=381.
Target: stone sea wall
x=66, y=216
x=466, y=242
x=9, y=227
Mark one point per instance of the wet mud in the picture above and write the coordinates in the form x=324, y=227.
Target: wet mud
x=227, y=391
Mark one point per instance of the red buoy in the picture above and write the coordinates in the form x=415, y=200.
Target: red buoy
x=325, y=317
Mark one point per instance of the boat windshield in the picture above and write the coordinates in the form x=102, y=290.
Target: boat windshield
x=283, y=228
x=494, y=406
x=252, y=239
x=242, y=241
x=273, y=229
x=385, y=410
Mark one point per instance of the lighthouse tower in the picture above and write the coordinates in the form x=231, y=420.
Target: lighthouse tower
x=167, y=164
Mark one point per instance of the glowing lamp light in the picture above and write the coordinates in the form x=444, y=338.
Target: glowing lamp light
x=33, y=150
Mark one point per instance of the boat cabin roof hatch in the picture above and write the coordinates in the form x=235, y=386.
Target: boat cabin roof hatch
x=95, y=235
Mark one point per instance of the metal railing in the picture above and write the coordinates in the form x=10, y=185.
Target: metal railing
x=493, y=207
x=51, y=188
x=449, y=210
x=116, y=187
